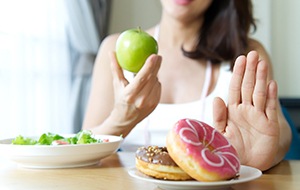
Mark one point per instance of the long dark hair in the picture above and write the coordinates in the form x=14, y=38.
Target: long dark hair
x=224, y=33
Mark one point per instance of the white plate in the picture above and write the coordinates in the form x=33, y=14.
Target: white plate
x=60, y=156
x=246, y=174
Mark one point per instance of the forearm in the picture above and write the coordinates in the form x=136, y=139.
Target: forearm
x=122, y=119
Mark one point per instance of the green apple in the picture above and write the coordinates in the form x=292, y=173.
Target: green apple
x=133, y=47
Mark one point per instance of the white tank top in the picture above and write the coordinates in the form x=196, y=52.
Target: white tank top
x=153, y=129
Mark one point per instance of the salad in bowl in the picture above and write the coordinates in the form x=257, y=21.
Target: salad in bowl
x=51, y=150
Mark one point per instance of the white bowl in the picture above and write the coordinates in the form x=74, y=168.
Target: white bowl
x=60, y=156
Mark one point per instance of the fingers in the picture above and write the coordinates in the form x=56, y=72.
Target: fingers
x=151, y=67
x=146, y=83
x=249, y=78
x=234, y=96
x=249, y=81
x=148, y=73
x=249, y=85
x=260, y=90
x=219, y=115
x=271, y=102
x=155, y=93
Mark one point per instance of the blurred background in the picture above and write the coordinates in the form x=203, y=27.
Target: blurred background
x=47, y=50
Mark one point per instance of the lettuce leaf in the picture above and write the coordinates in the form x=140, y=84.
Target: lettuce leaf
x=20, y=140
x=82, y=137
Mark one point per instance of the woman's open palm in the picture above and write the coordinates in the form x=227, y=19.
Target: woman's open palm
x=250, y=120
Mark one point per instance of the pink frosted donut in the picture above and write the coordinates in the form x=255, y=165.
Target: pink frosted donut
x=202, y=152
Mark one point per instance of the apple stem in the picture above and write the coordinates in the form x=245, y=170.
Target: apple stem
x=139, y=29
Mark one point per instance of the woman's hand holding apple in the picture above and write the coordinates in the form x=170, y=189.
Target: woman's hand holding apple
x=137, y=99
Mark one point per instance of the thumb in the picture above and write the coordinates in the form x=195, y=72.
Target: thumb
x=219, y=115
x=117, y=71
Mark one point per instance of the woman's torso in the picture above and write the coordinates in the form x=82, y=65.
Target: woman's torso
x=153, y=129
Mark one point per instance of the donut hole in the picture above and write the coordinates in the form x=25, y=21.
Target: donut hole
x=210, y=148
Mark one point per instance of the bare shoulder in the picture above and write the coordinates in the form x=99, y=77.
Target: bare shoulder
x=257, y=46
x=263, y=54
x=109, y=43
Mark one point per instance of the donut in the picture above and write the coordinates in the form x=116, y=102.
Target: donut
x=201, y=151
x=155, y=161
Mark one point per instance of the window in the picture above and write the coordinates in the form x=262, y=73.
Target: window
x=35, y=75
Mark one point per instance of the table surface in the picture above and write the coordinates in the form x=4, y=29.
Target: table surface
x=112, y=173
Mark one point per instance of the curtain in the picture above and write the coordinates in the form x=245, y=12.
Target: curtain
x=88, y=26
x=35, y=80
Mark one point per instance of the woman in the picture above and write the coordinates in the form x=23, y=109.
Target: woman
x=205, y=58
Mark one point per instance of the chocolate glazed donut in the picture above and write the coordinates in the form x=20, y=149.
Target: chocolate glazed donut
x=155, y=161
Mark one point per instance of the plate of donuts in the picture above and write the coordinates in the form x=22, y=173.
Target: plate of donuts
x=246, y=174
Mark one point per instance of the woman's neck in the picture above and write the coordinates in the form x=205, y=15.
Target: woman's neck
x=175, y=33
